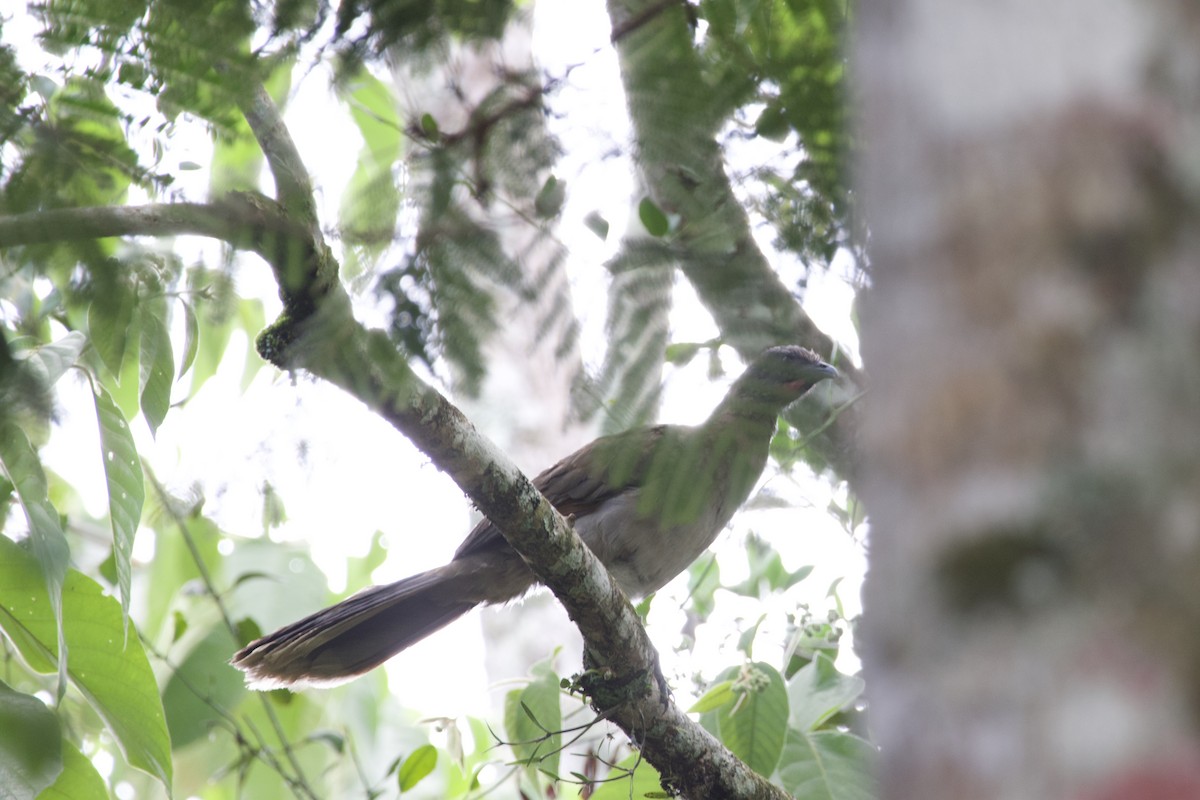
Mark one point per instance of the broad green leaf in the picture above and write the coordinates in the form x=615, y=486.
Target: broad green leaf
x=645, y=781
x=174, y=564
x=108, y=668
x=420, y=762
x=126, y=392
x=371, y=200
x=157, y=366
x=253, y=319
x=359, y=568
x=653, y=219
x=31, y=755
x=753, y=727
x=24, y=469
x=818, y=691
x=533, y=719
x=827, y=765
x=704, y=578
x=236, y=162
x=201, y=685
x=78, y=780
x=719, y=694
x=108, y=321
x=126, y=490
x=50, y=362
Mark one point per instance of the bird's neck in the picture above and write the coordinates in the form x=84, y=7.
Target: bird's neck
x=749, y=412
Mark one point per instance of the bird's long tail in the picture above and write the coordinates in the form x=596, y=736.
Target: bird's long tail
x=358, y=634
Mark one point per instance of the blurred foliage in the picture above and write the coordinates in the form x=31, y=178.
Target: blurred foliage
x=138, y=663
x=781, y=66
x=370, y=27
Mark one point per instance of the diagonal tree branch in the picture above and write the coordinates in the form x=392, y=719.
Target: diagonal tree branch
x=685, y=174
x=317, y=332
x=331, y=344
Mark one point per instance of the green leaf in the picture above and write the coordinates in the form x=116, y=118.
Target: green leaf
x=50, y=362
x=533, y=719
x=359, y=569
x=49, y=545
x=827, y=765
x=653, y=219
x=704, y=578
x=253, y=319
x=108, y=321
x=200, y=685
x=818, y=691
x=550, y=198
x=755, y=725
x=274, y=513
x=645, y=781
x=429, y=126
x=126, y=489
x=771, y=124
x=191, y=339
x=681, y=353
x=371, y=199
x=78, y=780
x=157, y=366
x=719, y=694
x=597, y=225
x=109, y=668
x=31, y=754
x=419, y=763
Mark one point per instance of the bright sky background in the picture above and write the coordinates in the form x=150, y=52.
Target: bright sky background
x=370, y=478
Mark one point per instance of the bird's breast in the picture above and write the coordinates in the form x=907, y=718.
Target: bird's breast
x=643, y=554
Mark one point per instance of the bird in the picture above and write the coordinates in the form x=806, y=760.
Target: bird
x=647, y=502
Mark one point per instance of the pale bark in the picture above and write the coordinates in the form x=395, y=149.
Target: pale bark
x=1033, y=468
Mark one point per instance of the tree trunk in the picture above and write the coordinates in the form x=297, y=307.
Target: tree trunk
x=1033, y=441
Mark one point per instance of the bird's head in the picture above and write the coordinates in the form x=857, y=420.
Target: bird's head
x=777, y=377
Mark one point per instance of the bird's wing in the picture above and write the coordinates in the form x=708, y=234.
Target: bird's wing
x=582, y=481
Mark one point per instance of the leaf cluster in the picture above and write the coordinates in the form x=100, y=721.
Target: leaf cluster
x=782, y=65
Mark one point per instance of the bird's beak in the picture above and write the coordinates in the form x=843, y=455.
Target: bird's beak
x=828, y=371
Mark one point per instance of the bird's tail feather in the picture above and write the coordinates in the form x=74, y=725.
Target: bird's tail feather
x=356, y=635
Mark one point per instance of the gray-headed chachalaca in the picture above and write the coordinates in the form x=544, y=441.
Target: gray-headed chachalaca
x=647, y=502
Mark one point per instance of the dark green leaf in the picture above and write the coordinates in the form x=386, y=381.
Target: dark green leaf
x=109, y=668
x=827, y=765
x=818, y=691
x=78, y=780
x=31, y=752
x=49, y=545
x=201, y=685
x=753, y=727
x=653, y=219
x=550, y=198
